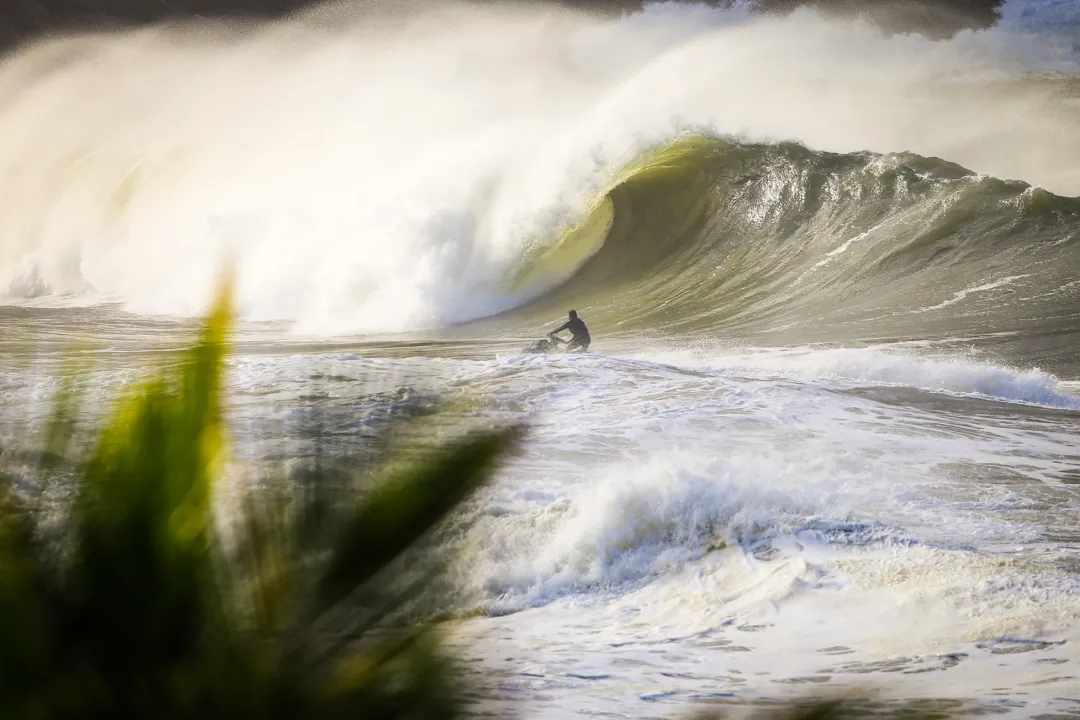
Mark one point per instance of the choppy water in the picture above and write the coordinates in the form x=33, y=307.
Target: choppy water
x=827, y=432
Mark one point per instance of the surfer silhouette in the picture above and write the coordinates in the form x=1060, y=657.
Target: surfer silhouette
x=580, y=341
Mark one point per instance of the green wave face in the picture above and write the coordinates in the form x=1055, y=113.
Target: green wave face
x=706, y=236
x=548, y=265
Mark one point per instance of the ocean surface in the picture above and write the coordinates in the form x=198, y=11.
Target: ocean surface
x=827, y=433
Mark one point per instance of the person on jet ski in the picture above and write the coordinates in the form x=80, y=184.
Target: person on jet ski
x=580, y=341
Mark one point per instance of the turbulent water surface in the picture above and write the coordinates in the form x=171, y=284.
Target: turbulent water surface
x=827, y=435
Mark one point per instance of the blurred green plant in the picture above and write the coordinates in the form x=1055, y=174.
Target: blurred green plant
x=149, y=605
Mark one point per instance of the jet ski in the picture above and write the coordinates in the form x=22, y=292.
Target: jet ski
x=547, y=346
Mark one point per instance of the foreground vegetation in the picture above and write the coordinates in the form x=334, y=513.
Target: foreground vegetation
x=143, y=607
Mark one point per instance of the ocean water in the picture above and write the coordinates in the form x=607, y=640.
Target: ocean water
x=826, y=435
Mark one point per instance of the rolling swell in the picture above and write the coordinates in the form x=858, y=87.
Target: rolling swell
x=715, y=237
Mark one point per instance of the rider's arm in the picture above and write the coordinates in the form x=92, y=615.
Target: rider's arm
x=556, y=332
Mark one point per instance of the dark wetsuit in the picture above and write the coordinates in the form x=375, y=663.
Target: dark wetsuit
x=581, y=339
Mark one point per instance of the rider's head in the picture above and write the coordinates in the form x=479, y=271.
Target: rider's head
x=573, y=314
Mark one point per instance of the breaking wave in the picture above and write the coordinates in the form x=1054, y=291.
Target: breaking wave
x=710, y=236
x=368, y=172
